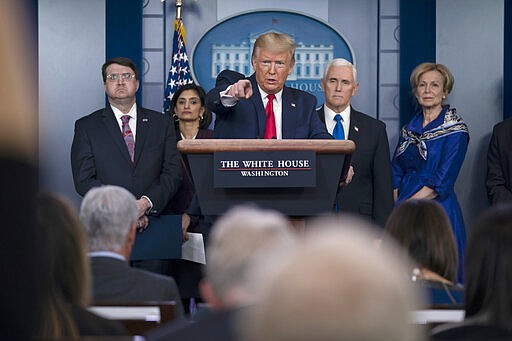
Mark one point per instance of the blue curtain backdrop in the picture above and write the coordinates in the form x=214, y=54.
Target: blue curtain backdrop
x=124, y=32
x=417, y=45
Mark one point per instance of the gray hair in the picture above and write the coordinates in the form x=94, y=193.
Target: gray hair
x=335, y=285
x=340, y=62
x=238, y=242
x=107, y=212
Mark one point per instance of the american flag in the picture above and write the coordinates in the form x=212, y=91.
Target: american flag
x=179, y=73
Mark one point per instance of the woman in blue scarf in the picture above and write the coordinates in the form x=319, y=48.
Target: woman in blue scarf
x=431, y=149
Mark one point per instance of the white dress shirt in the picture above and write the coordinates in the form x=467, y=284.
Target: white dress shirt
x=133, y=118
x=330, y=122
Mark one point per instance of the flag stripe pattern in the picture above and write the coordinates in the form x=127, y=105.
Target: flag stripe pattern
x=179, y=72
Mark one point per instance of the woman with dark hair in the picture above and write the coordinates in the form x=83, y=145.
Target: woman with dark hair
x=67, y=274
x=192, y=120
x=488, y=280
x=431, y=149
x=489, y=268
x=423, y=229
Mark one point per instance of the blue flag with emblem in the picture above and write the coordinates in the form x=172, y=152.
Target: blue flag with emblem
x=179, y=72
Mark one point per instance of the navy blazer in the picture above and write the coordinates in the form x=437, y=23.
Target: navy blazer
x=115, y=281
x=370, y=193
x=99, y=156
x=499, y=164
x=246, y=120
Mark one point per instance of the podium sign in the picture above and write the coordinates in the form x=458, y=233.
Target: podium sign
x=331, y=156
x=274, y=169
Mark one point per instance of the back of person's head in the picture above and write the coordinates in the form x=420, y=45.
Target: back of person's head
x=67, y=248
x=423, y=229
x=67, y=264
x=276, y=43
x=335, y=285
x=239, y=241
x=107, y=214
x=489, y=267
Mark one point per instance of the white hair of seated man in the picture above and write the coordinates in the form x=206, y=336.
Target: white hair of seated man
x=240, y=242
x=336, y=285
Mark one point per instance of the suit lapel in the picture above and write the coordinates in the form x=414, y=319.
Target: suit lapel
x=353, y=131
x=321, y=113
x=261, y=116
x=110, y=122
x=288, y=115
x=143, y=125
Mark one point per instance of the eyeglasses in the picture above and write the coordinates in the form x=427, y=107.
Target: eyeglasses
x=123, y=76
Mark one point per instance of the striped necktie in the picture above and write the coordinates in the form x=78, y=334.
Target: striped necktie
x=128, y=135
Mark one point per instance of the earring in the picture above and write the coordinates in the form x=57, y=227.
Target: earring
x=176, y=118
x=201, y=118
x=444, y=97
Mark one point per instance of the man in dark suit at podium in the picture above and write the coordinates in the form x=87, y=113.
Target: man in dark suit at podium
x=109, y=216
x=370, y=192
x=261, y=106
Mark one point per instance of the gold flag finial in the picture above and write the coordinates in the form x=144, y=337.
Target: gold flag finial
x=178, y=8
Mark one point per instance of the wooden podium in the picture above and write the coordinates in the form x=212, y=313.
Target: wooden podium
x=332, y=159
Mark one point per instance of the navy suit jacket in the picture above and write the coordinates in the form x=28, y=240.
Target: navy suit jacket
x=99, y=156
x=370, y=193
x=115, y=281
x=246, y=120
x=499, y=163
x=216, y=326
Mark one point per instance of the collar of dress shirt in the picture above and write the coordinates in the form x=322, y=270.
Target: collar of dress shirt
x=109, y=254
x=132, y=113
x=278, y=110
x=330, y=122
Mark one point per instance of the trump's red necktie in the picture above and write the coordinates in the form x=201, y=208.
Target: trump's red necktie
x=270, y=126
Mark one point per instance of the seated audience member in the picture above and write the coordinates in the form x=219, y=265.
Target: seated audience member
x=335, y=285
x=68, y=274
x=20, y=252
x=109, y=217
x=191, y=119
x=488, y=281
x=239, y=243
x=423, y=230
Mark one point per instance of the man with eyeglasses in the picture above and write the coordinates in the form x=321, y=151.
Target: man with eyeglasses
x=262, y=106
x=127, y=145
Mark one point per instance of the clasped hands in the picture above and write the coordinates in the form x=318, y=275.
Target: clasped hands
x=348, y=178
x=142, y=206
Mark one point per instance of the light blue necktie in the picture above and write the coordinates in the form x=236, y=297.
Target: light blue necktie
x=338, y=132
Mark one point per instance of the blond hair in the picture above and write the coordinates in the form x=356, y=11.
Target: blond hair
x=419, y=70
x=275, y=42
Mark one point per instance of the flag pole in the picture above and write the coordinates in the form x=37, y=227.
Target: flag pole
x=178, y=9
